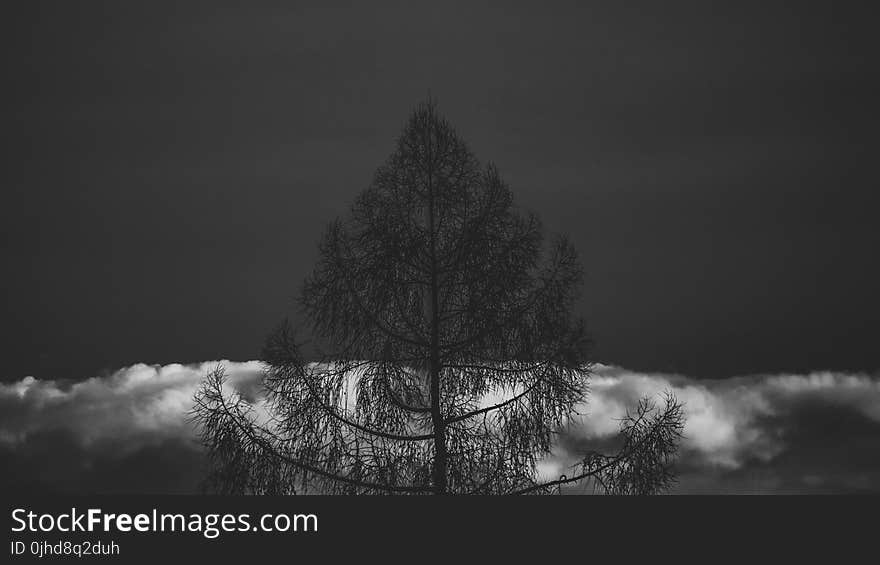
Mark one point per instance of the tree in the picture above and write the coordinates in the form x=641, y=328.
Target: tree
x=446, y=355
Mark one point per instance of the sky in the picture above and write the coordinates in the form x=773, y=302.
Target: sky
x=173, y=167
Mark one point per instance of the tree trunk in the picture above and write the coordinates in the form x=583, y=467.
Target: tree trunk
x=440, y=454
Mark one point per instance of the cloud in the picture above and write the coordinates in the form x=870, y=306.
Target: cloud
x=760, y=433
x=129, y=431
x=722, y=416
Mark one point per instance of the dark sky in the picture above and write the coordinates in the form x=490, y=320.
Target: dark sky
x=172, y=167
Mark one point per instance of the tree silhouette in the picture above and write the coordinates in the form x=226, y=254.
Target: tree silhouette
x=446, y=355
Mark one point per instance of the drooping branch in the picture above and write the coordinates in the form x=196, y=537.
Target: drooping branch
x=330, y=411
x=494, y=407
x=642, y=466
x=211, y=403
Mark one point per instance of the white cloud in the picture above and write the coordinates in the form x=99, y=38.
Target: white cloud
x=137, y=404
x=727, y=419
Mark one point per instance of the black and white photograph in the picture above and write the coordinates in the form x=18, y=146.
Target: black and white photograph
x=440, y=248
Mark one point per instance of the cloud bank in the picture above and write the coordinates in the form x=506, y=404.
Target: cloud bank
x=130, y=431
x=125, y=432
